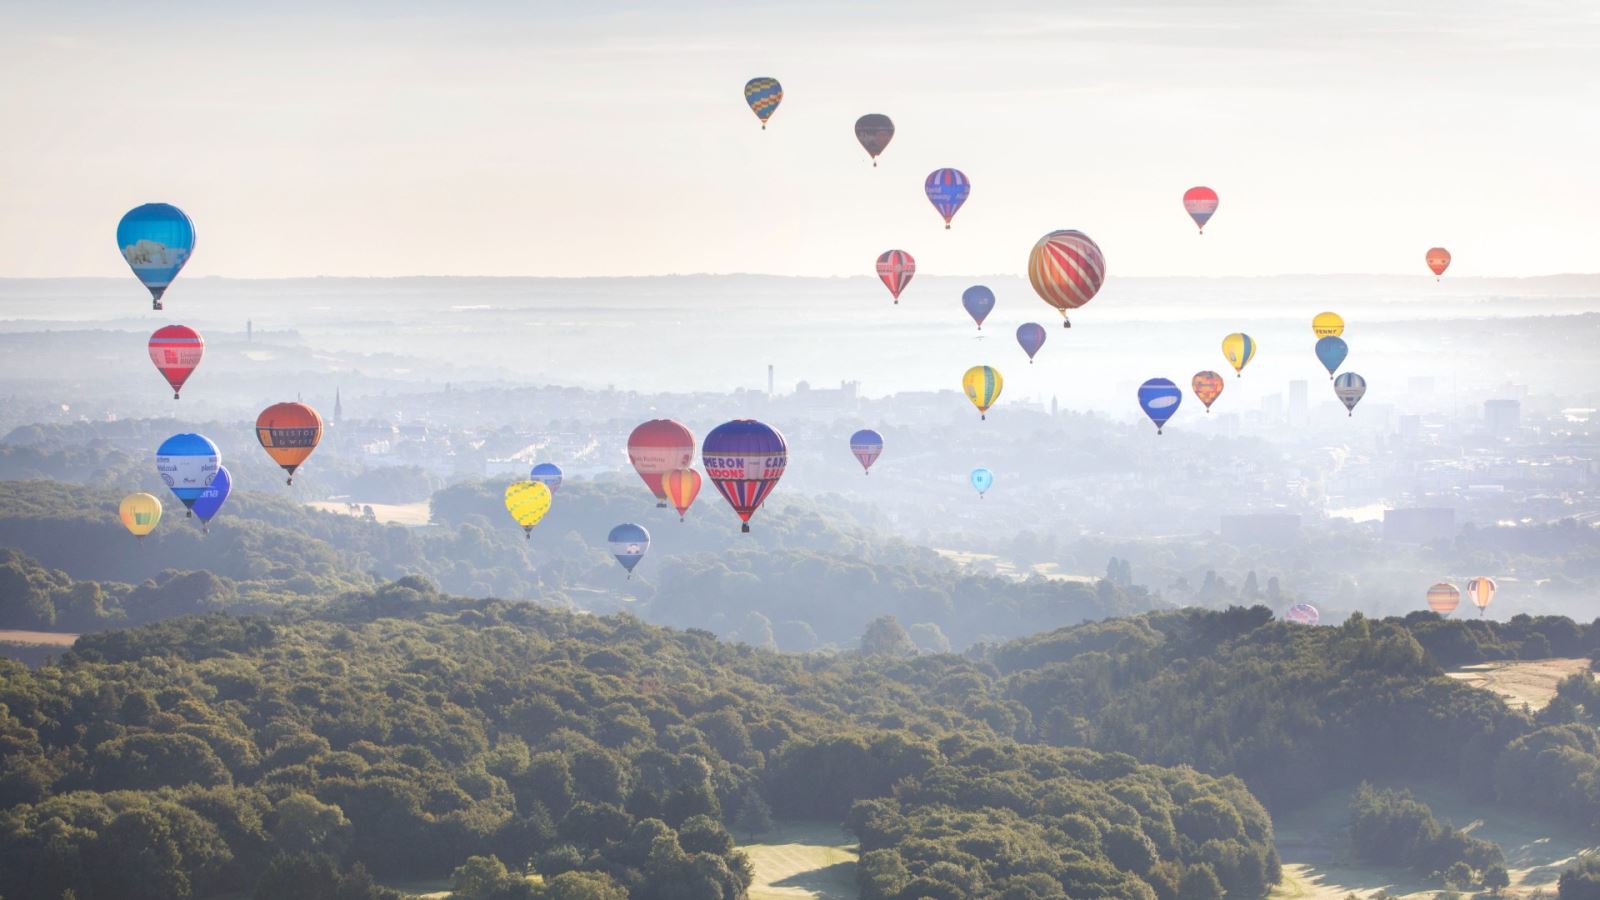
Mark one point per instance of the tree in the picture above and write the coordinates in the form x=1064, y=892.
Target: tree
x=1581, y=881
x=1458, y=876
x=1496, y=878
x=1199, y=882
x=305, y=824
x=582, y=886
x=755, y=816
x=885, y=637
x=929, y=638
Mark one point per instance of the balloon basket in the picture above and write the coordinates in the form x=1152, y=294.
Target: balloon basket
x=745, y=528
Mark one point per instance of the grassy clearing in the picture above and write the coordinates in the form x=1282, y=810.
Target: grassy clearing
x=797, y=860
x=38, y=638
x=1531, y=681
x=387, y=513
x=1317, y=864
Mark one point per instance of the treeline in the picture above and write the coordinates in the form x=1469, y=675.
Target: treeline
x=403, y=732
x=1392, y=828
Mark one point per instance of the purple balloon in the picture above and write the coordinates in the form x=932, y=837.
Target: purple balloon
x=978, y=300
x=213, y=496
x=1031, y=336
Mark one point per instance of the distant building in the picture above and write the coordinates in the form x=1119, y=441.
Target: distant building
x=1261, y=529
x=1502, y=417
x=1297, y=402
x=338, y=407
x=1419, y=525
x=770, y=390
x=1410, y=427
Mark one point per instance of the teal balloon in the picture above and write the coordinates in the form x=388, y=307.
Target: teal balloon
x=1331, y=351
x=982, y=479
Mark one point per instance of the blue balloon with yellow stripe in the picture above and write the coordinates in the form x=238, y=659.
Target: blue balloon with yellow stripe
x=763, y=94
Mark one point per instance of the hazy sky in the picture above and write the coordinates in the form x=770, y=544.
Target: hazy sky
x=472, y=138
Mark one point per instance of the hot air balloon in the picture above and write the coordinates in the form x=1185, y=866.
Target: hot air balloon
x=1443, y=598
x=156, y=239
x=289, y=432
x=1438, y=261
x=1331, y=351
x=629, y=543
x=681, y=487
x=866, y=444
x=657, y=447
x=140, y=514
x=1030, y=335
x=982, y=479
x=210, y=501
x=1239, y=350
x=978, y=301
x=1327, y=324
x=982, y=384
x=527, y=501
x=1066, y=269
x=1159, y=398
x=1208, y=387
x=1350, y=388
x=1200, y=203
x=874, y=131
x=176, y=351
x=896, y=267
x=744, y=459
x=947, y=189
x=763, y=95
x=1480, y=591
x=187, y=463
x=547, y=474
x=1303, y=614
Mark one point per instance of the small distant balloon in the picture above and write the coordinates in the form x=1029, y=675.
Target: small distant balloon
x=209, y=503
x=1480, y=591
x=156, y=240
x=289, y=432
x=140, y=513
x=629, y=543
x=1350, y=388
x=947, y=189
x=1030, y=335
x=978, y=301
x=1159, y=398
x=744, y=459
x=1303, y=614
x=1207, y=387
x=1327, y=324
x=1443, y=598
x=982, y=479
x=187, y=463
x=1331, y=352
x=763, y=94
x=866, y=445
x=1239, y=349
x=176, y=350
x=874, y=131
x=1438, y=261
x=527, y=502
x=547, y=474
x=681, y=486
x=1066, y=269
x=1201, y=204
x=895, y=268
x=982, y=385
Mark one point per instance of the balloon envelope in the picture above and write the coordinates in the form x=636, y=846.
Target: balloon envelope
x=874, y=131
x=1030, y=336
x=215, y=494
x=1159, y=398
x=1066, y=269
x=1207, y=386
x=176, y=351
x=1201, y=204
x=947, y=189
x=866, y=445
x=289, y=432
x=978, y=301
x=1331, y=352
x=156, y=240
x=547, y=474
x=1304, y=614
x=895, y=268
x=744, y=459
x=982, y=385
x=527, y=501
x=657, y=447
x=1350, y=388
x=1443, y=598
x=1327, y=324
x=629, y=543
x=763, y=94
x=187, y=463
x=982, y=479
x=140, y=513
x=1239, y=350
x=681, y=486
x=1438, y=260
x=1480, y=591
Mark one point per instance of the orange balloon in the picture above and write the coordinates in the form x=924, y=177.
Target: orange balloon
x=289, y=432
x=1208, y=387
x=681, y=487
x=1438, y=260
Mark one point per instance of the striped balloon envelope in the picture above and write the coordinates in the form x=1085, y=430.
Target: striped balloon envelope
x=527, y=502
x=176, y=350
x=1239, y=349
x=1201, y=204
x=1350, y=388
x=1480, y=591
x=763, y=94
x=866, y=445
x=1438, y=261
x=1066, y=269
x=681, y=486
x=947, y=189
x=874, y=131
x=1208, y=387
x=629, y=543
x=1303, y=614
x=1443, y=598
x=187, y=463
x=744, y=459
x=982, y=385
x=896, y=267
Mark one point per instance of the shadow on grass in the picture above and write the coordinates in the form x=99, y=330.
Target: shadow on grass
x=835, y=882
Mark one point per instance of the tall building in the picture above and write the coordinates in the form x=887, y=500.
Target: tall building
x=1502, y=417
x=1297, y=402
x=338, y=406
x=769, y=380
x=249, y=330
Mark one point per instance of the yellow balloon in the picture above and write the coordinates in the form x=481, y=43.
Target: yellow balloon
x=140, y=513
x=1327, y=324
x=1239, y=349
x=982, y=384
x=528, y=501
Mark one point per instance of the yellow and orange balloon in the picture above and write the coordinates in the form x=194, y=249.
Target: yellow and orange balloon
x=681, y=486
x=140, y=514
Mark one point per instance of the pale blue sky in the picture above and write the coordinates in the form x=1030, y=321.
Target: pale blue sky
x=577, y=139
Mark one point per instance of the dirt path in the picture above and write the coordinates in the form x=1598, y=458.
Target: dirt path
x=38, y=638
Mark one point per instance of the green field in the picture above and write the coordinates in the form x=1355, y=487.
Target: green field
x=1316, y=863
x=797, y=860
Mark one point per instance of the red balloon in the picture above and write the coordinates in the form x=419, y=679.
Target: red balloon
x=657, y=447
x=176, y=351
x=896, y=267
x=1438, y=260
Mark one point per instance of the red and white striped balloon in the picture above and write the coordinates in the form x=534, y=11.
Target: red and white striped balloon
x=896, y=267
x=1067, y=269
